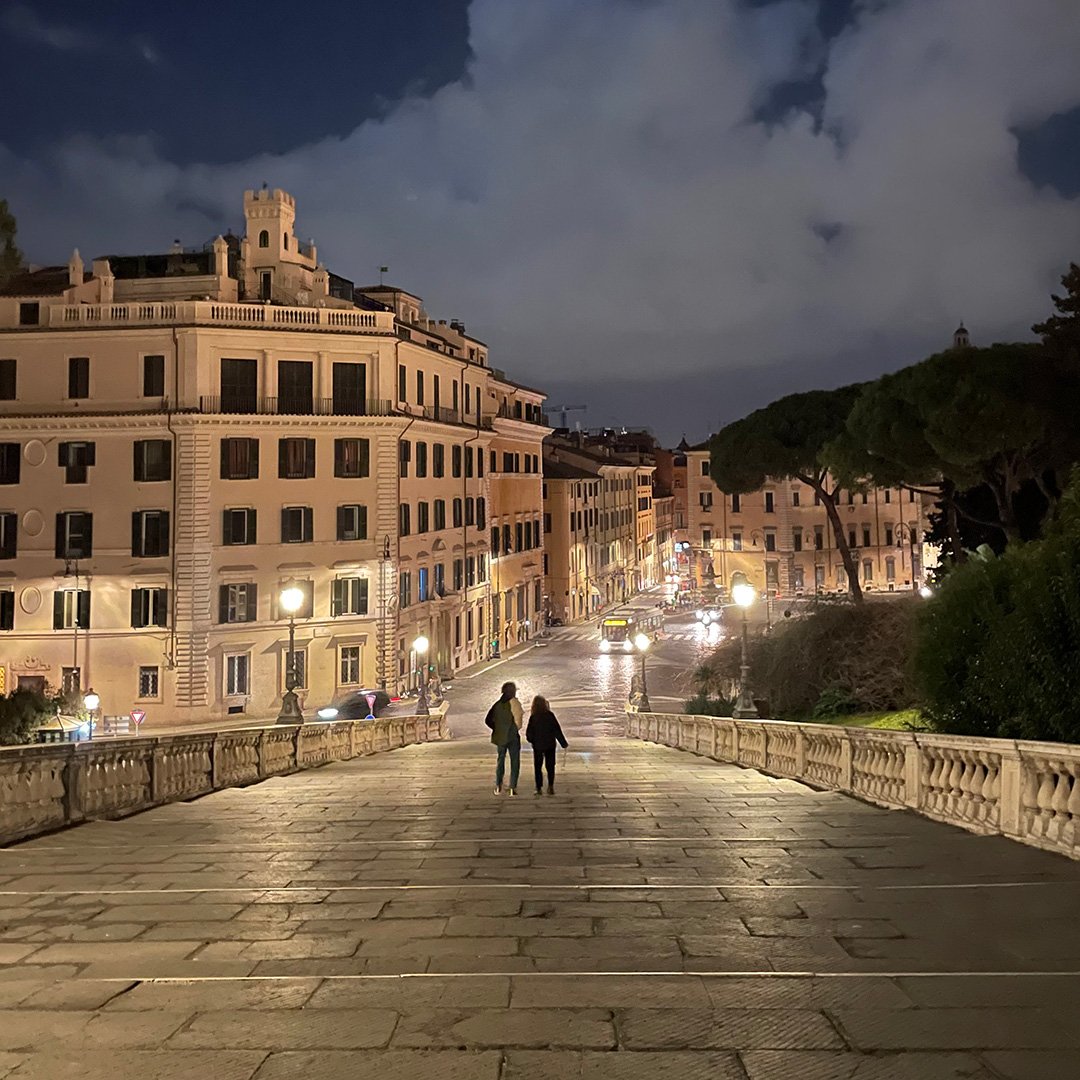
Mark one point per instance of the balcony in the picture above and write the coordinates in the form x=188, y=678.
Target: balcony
x=216, y=313
x=252, y=405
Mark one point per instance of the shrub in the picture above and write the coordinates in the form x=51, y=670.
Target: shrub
x=20, y=713
x=703, y=705
x=998, y=647
x=835, y=701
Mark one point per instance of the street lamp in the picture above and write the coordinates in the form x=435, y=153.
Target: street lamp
x=291, y=601
x=642, y=643
x=420, y=647
x=91, y=703
x=743, y=593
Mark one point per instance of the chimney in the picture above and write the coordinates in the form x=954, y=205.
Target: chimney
x=458, y=325
x=75, y=268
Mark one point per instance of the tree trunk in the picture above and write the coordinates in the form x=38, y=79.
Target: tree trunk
x=850, y=568
x=952, y=522
x=1003, y=498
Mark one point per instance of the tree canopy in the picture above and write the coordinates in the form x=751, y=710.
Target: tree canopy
x=10, y=256
x=1061, y=331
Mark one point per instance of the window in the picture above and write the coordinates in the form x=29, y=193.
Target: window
x=736, y=541
x=547, y=523
x=706, y=537
x=457, y=511
x=888, y=536
x=508, y=464
x=74, y=535
x=239, y=459
x=238, y=526
x=71, y=609
x=706, y=501
x=404, y=519
x=796, y=539
x=421, y=459
x=536, y=532
x=469, y=461
x=350, y=389
x=455, y=460
x=402, y=384
x=459, y=575
x=770, y=502
x=911, y=496
x=438, y=459
x=149, y=682
x=868, y=570
x=149, y=607
x=238, y=603
x=794, y=498
x=349, y=665
x=440, y=579
x=865, y=498
x=76, y=458
x=419, y=387
x=7, y=609
x=519, y=541
x=770, y=541
x=440, y=514
x=850, y=498
x=888, y=495
x=422, y=584
x=819, y=537
x=481, y=513
x=470, y=511
x=470, y=571
x=29, y=313
x=736, y=504
x=79, y=377
x=10, y=462
x=852, y=539
x=9, y=535
x=149, y=533
x=266, y=284
x=404, y=589
x=423, y=520
x=239, y=385
x=349, y=596
x=705, y=467
x=479, y=462
x=296, y=525
x=866, y=536
x=264, y=239
x=352, y=458
x=352, y=522
x=404, y=457
x=296, y=459
x=153, y=376
x=7, y=380
x=237, y=674
x=153, y=460
x=495, y=534
x=890, y=568
x=457, y=630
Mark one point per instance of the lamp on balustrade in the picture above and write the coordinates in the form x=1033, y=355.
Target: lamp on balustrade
x=642, y=643
x=291, y=601
x=420, y=647
x=744, y=594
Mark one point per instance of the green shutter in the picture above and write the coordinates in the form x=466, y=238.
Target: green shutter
x=58, y=610
x=84, y=609
x=363, y=596
x=226, y=527
x=337, y=597
x=136, y=537
x=223, y=603
x=136, y=608
x=365, y=458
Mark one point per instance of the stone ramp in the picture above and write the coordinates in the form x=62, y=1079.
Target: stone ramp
x=661, y=916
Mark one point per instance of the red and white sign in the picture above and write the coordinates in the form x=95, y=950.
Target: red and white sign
x=137, y=716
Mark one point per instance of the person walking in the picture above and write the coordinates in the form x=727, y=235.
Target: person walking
x=504, y=719
x=544, y=733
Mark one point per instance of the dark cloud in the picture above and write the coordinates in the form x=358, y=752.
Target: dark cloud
x=598, y=201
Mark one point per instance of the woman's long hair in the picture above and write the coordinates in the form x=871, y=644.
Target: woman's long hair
x=540, y=705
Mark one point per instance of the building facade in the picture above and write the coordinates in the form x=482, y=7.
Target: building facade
x=184, y=435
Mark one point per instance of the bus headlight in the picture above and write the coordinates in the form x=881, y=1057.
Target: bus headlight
x=605, y=645
x=628, y=646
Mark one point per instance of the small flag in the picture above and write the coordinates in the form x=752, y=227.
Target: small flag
x=384, y=269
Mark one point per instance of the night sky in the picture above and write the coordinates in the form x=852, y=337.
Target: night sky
x=673, y=211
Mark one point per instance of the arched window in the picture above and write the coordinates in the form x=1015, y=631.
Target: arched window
x=264, y=239
x=285, y=240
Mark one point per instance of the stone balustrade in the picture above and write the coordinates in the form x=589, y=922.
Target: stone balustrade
x=45, y=787
x=1027, y=791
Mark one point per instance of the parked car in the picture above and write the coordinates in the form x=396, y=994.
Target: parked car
x=354, y=705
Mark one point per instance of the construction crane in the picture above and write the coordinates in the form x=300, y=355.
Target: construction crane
x=562, y=410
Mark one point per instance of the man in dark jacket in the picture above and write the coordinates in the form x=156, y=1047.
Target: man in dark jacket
x=504, y=719
x=544, y=733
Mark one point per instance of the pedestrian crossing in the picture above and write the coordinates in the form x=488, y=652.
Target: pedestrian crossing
x=689, y=633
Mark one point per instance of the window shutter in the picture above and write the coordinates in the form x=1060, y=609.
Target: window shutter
x=84, y=609
x=164, y=533
x=89, y=453
x=365, y=458
x=309, y=457
x=252, y=602
x=136, y=472
x=223, y=603
x=362, y=523
x=253, y=459
x=60, y=519
x=136, y=545
x=226, y=527
x=251, y=538
x=88, y=533
x=161, y=615
x=58, y=610
x=283, y=457
x=63, y=455
x=309, y=526
x=342, y=522
x=362, y=607
x=337, y=597
x=136, y=607
x=284, y=524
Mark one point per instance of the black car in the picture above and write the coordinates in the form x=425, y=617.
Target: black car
x=354, y=705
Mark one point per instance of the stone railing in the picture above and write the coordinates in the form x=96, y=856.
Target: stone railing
x=46, y=787
x=1027, y=791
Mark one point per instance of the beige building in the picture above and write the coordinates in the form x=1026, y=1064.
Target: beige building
x=183, y=435
x=571, y=502
x=781, y=538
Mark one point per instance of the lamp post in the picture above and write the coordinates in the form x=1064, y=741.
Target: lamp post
x=742, y=592
x=642, y=643
x=903, y=529
x=291, y=601
x=420, y=647
x=758, y=535
x=91, y=702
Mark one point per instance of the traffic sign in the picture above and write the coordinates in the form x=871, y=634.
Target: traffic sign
x=137, y=716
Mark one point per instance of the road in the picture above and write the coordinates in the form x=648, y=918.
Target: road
x=587, y=690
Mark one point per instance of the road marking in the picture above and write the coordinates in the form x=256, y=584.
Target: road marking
x=504, y=660
x=504, y=886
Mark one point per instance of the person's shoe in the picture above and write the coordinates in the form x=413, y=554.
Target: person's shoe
x=539, y=791
x=512, y=791
x=498, y=790
x=551, y=789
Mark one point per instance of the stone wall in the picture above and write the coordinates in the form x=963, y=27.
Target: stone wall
x=47, y=787
x=1027, y=791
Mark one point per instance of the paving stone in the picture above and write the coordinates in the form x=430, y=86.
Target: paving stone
x=824, y=1065
x=384, y=1065
x=210, y=997
x=406, y=994
x=639, y=1065
x=803, y=993
x=277, y=1029
x=1031, y=1064
x=725, y=1029
x=549, y=1028
x=144, y=1065
x=946, y=1029
x=9, y=1062
x=608, y=992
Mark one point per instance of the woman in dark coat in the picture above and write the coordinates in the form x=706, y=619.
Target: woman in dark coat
x=544, y=733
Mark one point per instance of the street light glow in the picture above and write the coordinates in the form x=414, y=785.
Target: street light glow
x=91, y=701
x=291, y=599
x=642, y=642
x=421, y=645
x=744, y=594
x=926, y=592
